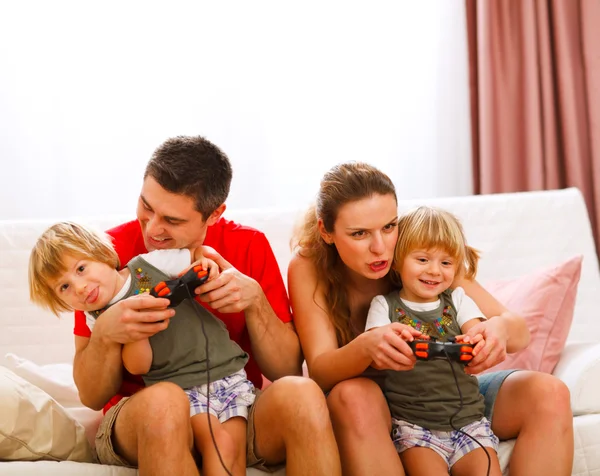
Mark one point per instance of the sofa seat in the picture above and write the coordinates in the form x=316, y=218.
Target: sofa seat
x=516, y=233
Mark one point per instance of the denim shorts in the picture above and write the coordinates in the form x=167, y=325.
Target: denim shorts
x=489, y=386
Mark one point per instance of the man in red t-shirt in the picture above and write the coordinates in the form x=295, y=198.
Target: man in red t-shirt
x=181, y=203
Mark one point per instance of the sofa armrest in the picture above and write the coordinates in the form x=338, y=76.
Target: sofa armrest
x=579, y=369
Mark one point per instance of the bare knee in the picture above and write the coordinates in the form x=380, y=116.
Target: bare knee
x=358, y=404
x=551, y=399
x=162, y=409
x=300, y=403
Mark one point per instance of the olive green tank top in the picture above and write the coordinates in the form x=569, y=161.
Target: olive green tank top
x=179, y=352
x=427, y=395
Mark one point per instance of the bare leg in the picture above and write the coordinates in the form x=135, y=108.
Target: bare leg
x=291, y=423
x=362, y=424
x=475, y=463
x=423, y=462
x=229, y=437
x=535, y=407
x=153, y=431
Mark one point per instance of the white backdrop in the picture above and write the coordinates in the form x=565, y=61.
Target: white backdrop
x=89, y=89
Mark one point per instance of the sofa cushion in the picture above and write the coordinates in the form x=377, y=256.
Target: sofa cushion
x=546, y=299
x=33, y=426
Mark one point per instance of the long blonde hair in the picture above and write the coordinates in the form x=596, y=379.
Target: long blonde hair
x=342, y=184
x=433, y=228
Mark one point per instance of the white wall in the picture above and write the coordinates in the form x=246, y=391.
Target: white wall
x=89, y=89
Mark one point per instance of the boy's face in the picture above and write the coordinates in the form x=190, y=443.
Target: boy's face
x=170, y=220
x=87, y=285
x=426, y=274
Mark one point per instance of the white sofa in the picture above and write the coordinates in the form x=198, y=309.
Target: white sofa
x=517, y=234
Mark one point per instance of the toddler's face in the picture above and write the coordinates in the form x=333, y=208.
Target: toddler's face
x=426, y=274
x=87, y=285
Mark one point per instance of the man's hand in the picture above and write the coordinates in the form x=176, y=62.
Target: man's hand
x=490, y=337
x=231, y=291
x=132, y=319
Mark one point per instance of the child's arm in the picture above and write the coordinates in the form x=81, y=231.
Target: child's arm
x=379, y=315
x=137, y=357
x=209, y=265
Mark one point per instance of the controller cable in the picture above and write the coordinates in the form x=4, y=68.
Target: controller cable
x=212, y=435
x=460, y=409
x=159, y=291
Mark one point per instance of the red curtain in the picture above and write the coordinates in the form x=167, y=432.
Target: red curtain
x=535, y=96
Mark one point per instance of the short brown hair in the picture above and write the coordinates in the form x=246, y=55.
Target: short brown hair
x=434, y=228
x=195, y=167
x=46, y=261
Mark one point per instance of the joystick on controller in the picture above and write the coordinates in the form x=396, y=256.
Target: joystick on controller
x=178, y=289
x=430, y=349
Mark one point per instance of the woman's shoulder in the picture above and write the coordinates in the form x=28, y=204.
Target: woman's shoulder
x=301, y=265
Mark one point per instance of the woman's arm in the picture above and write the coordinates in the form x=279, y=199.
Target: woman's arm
x=511, y=326
x=137, y=357
x=503, y=331
x=329, y=364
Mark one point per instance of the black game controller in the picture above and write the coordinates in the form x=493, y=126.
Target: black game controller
x=178, y=289
x=431, y=349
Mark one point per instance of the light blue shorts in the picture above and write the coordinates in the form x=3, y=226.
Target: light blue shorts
x=489, y=386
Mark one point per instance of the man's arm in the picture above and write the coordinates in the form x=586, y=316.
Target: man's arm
x=97, y=370
x=98, y=365
x=275, y=344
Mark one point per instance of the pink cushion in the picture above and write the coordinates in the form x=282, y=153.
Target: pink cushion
x=546, y=299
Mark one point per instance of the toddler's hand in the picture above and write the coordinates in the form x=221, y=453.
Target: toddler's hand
x=206, y=264
x=477, y=340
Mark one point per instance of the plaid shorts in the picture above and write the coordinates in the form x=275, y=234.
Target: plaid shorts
x=229, y=397
x=450, y=445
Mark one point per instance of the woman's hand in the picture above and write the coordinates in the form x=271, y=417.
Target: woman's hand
x=490, y=338
x=387, y=346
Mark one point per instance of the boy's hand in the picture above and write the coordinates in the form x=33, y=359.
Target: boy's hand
x=206, y=264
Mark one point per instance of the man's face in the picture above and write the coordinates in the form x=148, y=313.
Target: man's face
x=169, y=220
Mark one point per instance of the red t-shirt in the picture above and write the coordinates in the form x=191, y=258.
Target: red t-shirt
x=246, y=249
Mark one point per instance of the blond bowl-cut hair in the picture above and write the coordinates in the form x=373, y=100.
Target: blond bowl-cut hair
x=47, y=259
x=433, y=228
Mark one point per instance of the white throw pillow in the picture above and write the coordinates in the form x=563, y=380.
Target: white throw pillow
x=33, y=426
x=57, y=381
x=579, y=368
x=54, y=379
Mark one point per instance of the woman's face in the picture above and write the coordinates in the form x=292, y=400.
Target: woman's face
x=365, y=235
